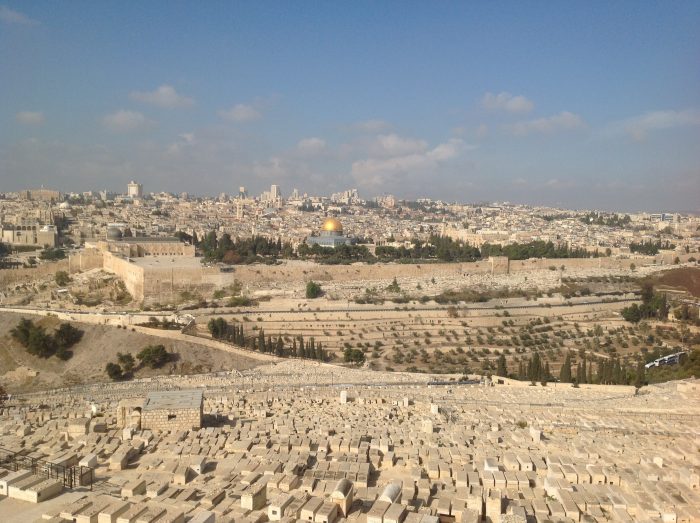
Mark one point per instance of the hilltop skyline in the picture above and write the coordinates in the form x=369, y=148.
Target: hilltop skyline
x=593, y=106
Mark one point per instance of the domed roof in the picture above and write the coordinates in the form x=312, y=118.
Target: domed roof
x=332, y=225
x=391, y=493
x=342, y=489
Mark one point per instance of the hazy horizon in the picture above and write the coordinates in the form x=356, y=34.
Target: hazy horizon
x=580, y=106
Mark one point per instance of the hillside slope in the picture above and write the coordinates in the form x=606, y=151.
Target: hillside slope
x=21, y=371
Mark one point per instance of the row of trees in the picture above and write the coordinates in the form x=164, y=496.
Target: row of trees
x=609, y=371
x=535, y=249
x=650, y=248
x=610, y=220
x=437, y=248
x=221, y=330
x=38, y=342
x=243, y=250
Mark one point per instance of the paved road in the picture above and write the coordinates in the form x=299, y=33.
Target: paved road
x=393, y=308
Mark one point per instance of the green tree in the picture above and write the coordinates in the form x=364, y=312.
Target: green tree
x=633, y=313
x=351, y=355
x=640, y=377
x=126, y=361
x=394, y=286
x=313, y=290
x=21, y=331
x=153, y=356
x=501, y=369
x=218, y=328
x=66, y=336
x=114, y=371
x=565, y=372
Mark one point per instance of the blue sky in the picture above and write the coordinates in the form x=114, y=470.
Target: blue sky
x=589, y=104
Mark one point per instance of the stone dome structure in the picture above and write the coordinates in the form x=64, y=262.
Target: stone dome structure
x=332, y=225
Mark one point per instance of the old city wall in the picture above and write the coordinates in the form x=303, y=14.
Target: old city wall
x=290, y=272
x=165, y=284
x=286, y=273
x=85, y=260
x=130, y=273
x=18, y=276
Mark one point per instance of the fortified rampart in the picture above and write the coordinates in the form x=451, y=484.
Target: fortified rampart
x=16, y=276
x=163, y=280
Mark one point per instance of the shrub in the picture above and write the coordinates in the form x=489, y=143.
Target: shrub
x=62, y=278
x=313, y=290
x=351, y=355
x=153, y=356
x=114, y=371
x=126, y=361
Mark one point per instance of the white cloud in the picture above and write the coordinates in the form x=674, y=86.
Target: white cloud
x=507, y=102
x=395, y=145
x=30, y=117
x=123, y=120
x=563, y=121
x=413, y=157
x=448, y=150
x=165, y=96
x=241, y=113
x=639, y=127
x=9, y=16
x=482, y=131
x=188, y=138
x=371, y=126
x=185, y=140
x=311, y=145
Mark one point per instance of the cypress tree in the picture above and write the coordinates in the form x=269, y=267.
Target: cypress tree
x=279, y=351
x=617, y=373
x=565, y=372
x=501, y=368
x=640, y=378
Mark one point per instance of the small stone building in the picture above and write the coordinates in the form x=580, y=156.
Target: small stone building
x=172, y=410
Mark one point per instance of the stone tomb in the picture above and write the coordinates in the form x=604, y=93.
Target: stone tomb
x=172, y=410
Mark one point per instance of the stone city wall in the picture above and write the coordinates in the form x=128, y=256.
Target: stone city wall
x=130, y=273
x=17, y=276
x=85, y=260
x=165, y=284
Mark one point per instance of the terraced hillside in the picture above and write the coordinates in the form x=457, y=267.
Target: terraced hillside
x=452, y=339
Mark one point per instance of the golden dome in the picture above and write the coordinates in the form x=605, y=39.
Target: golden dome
x=332, y=225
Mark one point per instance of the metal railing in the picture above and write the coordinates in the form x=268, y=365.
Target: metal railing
x=71, y=476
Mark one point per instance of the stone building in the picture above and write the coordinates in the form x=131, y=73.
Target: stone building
x=172, y=410
x=331, y=235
